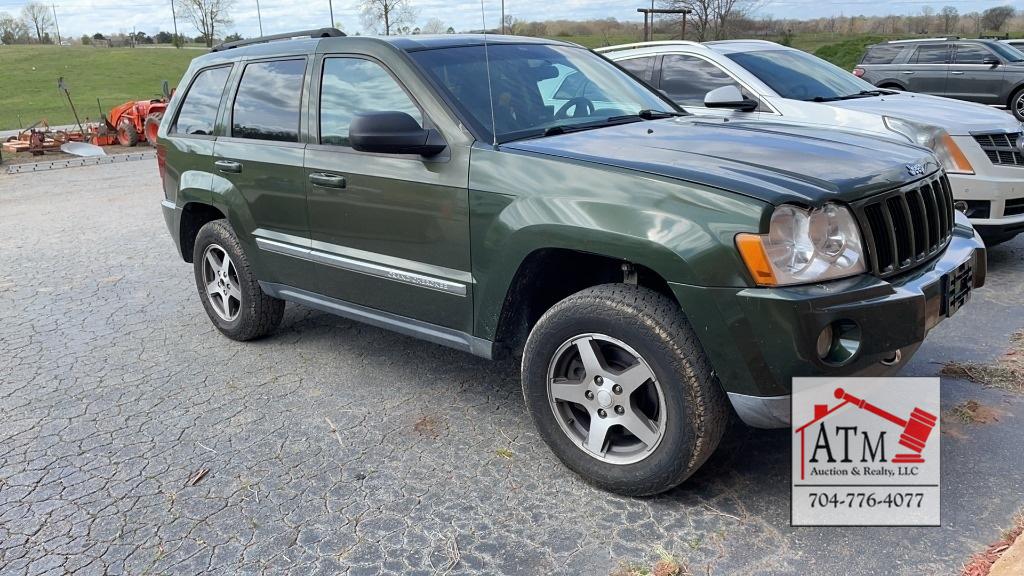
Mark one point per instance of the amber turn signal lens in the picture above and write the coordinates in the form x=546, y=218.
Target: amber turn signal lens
x=751, y=248
x=957, y=156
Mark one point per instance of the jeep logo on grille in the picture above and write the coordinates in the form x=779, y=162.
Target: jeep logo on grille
x=915, y=169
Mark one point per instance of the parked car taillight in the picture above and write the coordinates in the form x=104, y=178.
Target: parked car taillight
x=161, y=162
x=858, y=72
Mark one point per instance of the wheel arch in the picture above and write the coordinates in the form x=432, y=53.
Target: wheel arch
x=195, y=215
x=549, y=273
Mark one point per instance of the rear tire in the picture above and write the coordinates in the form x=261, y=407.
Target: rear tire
x=1016, y=104
x=127, y=135
x=152, y=127
x=638, y=334
x=230, y=293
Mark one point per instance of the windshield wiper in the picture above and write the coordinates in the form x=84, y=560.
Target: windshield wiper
x=861, y=94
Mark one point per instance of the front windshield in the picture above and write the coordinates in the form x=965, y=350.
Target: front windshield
x=537, y=89
x=1009, y=53
x=800, y=76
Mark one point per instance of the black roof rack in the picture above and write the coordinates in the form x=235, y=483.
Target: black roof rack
x=315, y=33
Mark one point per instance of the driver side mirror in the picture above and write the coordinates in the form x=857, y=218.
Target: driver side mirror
x=729, y=97
x=991, y=61
x=393, y=133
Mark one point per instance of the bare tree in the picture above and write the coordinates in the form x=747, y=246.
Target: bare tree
x=995, y=18
x=38, y=17
x=950, y=18
x=711, y=19
x=510, y=24
x=387, y=16
x=435, y=26
x=206, y=15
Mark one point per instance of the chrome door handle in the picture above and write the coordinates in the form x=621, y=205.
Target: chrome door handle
x=228, y=166
x=908, y=72
x=957, y=73
x=324, y=180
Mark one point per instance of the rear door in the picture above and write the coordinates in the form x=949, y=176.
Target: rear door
x=927, y=69
x=970, y=78
x=261, y=159
x=389, y=231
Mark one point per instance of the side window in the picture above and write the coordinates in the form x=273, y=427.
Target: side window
x=686, y=79
x=881, y=54
x=268, y=101
x=352, y=86
x=642, y=67
x=971, y=54
x=933, y=54
x=198, y=111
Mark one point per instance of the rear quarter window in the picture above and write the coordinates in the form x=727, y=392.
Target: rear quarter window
x=198, y=111
x=882, y=54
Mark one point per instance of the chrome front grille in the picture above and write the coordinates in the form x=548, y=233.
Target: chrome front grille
x=907, y=226
x=1001, y=148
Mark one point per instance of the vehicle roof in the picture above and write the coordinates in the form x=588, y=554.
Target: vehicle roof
x=404, y=43
x=733, y=46
x=718, y=46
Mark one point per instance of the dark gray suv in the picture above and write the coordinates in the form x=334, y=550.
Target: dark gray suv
x=983, y=71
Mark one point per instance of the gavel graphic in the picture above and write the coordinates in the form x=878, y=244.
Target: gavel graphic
x=915, y=429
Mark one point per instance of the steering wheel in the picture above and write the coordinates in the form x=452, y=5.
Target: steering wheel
x=575, y=104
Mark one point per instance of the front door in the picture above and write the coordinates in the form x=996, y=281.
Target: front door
x=927, y=68
x=971, y=79
x=262, y=159
x=389, y=232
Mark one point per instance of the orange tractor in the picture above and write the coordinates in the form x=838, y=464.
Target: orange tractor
x=139, y=120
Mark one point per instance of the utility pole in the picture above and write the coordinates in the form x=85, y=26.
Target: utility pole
x=259, y=17
x=55, y=22
x=502, y=17
x=330, y=5
x=174, y=17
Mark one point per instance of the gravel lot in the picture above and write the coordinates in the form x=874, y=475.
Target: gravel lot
x=334, y=447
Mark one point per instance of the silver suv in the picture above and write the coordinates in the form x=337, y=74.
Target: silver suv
x=983, y=71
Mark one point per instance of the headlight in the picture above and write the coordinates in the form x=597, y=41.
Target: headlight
x=935, y=139
x=804, y=246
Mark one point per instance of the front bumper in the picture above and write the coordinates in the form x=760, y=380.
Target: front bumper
x=759, y=339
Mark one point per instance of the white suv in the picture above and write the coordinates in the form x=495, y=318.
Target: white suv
x=980, y=147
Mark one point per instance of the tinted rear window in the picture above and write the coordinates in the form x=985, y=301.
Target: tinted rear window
x=933, y=54
x=199, y=110
x=268, y=101
x=642, y=67
x=883, y=54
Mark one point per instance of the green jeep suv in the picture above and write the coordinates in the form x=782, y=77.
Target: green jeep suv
x=507, y=195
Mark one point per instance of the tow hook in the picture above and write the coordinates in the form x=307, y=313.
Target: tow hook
x=896, y=357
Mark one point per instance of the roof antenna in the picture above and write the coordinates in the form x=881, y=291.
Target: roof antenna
x=490, y=90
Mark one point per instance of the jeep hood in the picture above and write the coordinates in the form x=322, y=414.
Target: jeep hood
x=776, y=163
x=959, y=118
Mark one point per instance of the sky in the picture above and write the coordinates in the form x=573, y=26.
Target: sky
x=77, y=17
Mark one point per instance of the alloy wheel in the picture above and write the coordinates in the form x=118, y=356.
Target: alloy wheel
x=222, y=285
x=606, y=398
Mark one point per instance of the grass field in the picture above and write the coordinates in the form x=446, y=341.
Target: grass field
x=28, y=74
x=28, y=79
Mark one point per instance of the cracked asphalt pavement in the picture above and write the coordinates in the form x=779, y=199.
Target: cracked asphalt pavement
x=337, y=448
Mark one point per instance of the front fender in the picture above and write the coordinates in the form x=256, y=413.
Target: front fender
x=683, y=232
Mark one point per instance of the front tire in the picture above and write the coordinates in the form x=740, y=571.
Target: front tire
x=1016, y=104
x=621, y=390
x=231, y=295
x=127, y=135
